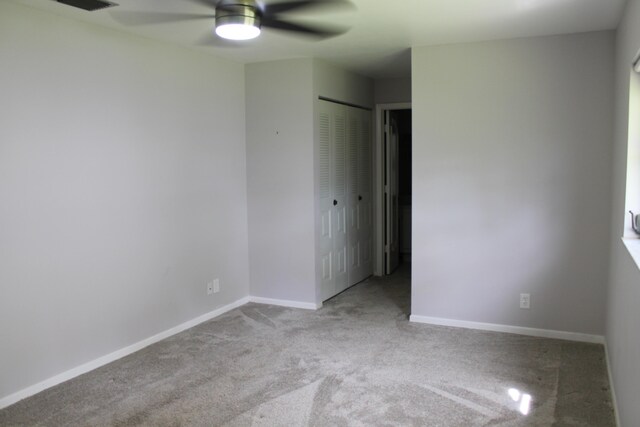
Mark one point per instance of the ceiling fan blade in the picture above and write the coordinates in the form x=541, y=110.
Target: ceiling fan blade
x=211, y=4
x=307, y=30
x=292, y=5
x=148, y=18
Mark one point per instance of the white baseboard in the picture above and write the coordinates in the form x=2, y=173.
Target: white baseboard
x=94, y=364
x=286, y=303
x=614, y=400
x=520, y=330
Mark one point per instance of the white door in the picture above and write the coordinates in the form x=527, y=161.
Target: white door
x=353, y=145
x=365, y=196
x=360, y=206
x=339, y=212
x=345, y=234
x=392, y=244
x=325, y=234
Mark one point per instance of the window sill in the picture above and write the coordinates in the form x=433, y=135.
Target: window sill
x=633, y=246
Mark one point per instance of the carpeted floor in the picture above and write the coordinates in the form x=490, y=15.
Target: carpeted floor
x=356, y=362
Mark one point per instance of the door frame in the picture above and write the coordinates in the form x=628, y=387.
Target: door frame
x=378, y=183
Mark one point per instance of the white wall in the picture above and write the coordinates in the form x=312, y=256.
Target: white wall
x=337, y=84
x=388, y=91
x=122, y=188
x=279, y=99
x=623, y=316
x=511, y=181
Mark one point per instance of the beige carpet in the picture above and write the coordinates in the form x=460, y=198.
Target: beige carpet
x=356, y=362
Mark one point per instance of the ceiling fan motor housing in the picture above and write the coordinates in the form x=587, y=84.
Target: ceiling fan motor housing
x=238, y=12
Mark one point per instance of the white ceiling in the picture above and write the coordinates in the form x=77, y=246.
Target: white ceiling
x=381, y=33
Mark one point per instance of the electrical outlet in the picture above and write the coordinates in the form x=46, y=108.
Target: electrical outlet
x=216, y=286
x=209, y=288
x=525, y=301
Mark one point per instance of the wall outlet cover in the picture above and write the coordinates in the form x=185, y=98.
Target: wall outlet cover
x=525, y=301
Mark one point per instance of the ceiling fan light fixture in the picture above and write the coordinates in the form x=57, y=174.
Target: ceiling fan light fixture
x=238, y=22
x=237, y=31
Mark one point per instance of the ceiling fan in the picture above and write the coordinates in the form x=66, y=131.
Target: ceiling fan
x=244, y=19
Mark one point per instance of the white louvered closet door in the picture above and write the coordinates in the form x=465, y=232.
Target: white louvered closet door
x=359, y=195
x=325, y=233
x=339, y=176
x=345, y=196
x=353, y=220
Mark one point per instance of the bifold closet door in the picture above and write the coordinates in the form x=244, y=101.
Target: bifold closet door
x=360, y=224
x=365, y=197
x=345, y=196
x=365, y=189
x=332, y=126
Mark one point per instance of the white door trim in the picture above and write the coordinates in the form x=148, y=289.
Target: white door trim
x=378, y=190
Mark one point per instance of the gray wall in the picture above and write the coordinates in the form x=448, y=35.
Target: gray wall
x=511, y=181
x=122, y=188
x=280, y=179
x=388, y=91
x=623, y=316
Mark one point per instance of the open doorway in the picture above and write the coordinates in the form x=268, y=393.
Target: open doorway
x=402, y=120
x=394, y=187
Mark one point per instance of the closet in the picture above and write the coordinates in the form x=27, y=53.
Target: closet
x=345, y=232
